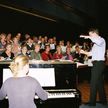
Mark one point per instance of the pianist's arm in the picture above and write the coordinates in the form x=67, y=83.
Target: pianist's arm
x=40, y=92
x=2, y=92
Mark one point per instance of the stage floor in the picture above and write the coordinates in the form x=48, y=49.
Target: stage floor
x=84, y=88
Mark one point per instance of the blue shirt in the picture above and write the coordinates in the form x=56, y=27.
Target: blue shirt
x=98, y=49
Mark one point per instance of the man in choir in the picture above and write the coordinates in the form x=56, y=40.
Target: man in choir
x=98, y=58
x=63, y=47
x=52, y=45
x=42, y=45
x=30, y=44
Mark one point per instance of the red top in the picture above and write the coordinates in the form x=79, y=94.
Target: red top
x=46, y=56
x=57, y=56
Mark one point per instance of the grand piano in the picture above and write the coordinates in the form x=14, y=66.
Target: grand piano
x=58, y=77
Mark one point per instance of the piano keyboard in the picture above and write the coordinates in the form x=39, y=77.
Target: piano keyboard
x=60, y=93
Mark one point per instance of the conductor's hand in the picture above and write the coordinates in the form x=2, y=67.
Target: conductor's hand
x=85, y=37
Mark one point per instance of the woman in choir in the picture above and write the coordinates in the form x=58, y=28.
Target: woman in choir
x=68, y=44
x=35, y=54
x=16, y=47
x=7, y=54
x=2, y=42
x=9, y=38
x=68, y=55
x=21, y=88
x=58, y=53
x=46, y=55
x=24, y=50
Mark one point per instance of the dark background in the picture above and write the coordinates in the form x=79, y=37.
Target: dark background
x=73, y=17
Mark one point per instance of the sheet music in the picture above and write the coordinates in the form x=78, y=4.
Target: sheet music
x=45, y=76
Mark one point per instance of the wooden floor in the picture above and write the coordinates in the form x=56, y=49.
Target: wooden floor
x=84, y=88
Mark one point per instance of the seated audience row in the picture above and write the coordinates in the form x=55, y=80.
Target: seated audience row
x=42, y=48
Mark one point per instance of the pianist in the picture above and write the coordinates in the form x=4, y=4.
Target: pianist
x=21, y=89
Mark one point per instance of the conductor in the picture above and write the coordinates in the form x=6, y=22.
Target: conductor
x=98, y=58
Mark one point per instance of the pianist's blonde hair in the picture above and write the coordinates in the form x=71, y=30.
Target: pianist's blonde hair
x=18, y=63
